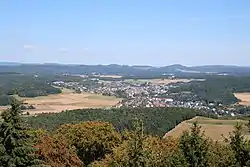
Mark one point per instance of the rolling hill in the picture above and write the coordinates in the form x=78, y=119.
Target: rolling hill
x=123, y=70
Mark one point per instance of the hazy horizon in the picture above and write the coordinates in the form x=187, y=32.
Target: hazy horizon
x=75, y=64
x=155, y=33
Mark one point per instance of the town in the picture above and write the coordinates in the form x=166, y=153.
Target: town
x=139, y=93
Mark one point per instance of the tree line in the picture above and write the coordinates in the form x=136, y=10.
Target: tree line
x=29, y=85
x=217, y=89
x=99, y=144
x=157, y=121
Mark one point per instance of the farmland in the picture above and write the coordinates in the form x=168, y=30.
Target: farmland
x=158, y=81
x=68, y=100
x=110, y=76
x=216, y=129
x=244, y=98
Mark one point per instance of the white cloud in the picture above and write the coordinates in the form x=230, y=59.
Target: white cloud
x=85, y=48
x=29, y=47
x=62, y=49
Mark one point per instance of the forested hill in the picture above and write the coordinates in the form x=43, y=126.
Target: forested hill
x=12, y=83
x=218, y=89
x=157, y=121
x=123, y=70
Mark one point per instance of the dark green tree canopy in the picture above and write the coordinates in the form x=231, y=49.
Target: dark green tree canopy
x=15, y=145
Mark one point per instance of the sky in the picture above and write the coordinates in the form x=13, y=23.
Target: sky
x=131, y=32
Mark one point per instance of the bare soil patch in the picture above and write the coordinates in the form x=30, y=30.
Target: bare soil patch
x=244, y=97
x=213, y=128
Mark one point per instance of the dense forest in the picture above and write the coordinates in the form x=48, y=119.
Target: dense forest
x=98, y=144
x=157, y=121
x=218, y=89
x=24, y=86
x=29, y=85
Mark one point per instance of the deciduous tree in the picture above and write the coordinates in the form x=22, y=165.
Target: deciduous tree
x=56, y=152
x=92, y=140
x=131, y=153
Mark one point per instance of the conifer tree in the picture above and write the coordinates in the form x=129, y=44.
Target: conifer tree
x=131, y=153
x=15, y=145
x=195, y=147
x=136, y=152
x=240, y=145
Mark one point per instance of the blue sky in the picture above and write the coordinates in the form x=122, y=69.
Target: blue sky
x=145, y=32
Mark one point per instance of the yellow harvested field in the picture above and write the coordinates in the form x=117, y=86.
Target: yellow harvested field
x=158, y=81
x=244, y=97
x=213, y=128
x=69, y=101
x=168, y=81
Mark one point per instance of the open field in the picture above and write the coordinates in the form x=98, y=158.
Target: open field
x=213, y=128
x=159, y=81
x=110, y=76
x=244, y=97
x=168, y=81
x=69, y=101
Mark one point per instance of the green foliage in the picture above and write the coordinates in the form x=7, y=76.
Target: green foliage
x=25, y=86
x=137, y=156
x=218, y=89
x=157, y=121
x=194, y=147
x=240, y=146
x=131, y=153
x=92, y=140
x=120, y=94
x=163, y=152
x=15, y=145
x=27, y=107
x=97, y=144
x=221, y=155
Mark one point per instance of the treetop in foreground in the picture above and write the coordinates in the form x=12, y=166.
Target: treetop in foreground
x=16, y=149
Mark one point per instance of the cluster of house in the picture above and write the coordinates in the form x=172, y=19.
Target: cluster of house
x=143, y=94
